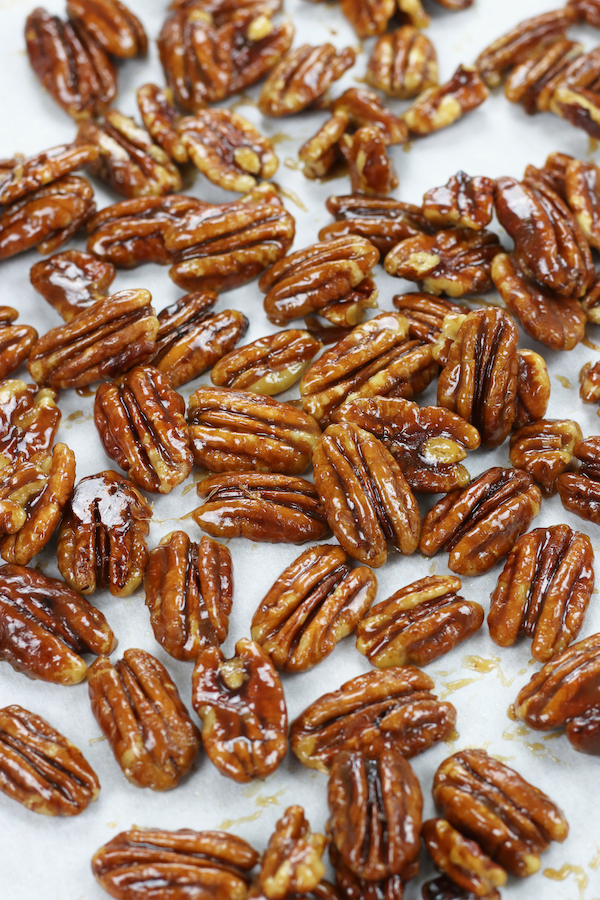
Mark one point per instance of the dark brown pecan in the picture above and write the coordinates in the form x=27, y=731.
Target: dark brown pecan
x=425, y=314
x=109, y=338
x=72, y=281
x=510, y=819
x=46, y=627
x=552, y=173
x=463, y=202
x=368, y=17
x=315, y=602
x=70, y=64
x=443, y=888
x=544, y=449
x=589, y=378
x=582, y=188
x=292, y=862
x=303, y=77
x=102, y=539
x=272, y=508
x=543, y=591
x=403, y=64
x=189, y=592
x=480, y=524
x=16, y=341
x=270, y=365
x=533, y=82
x=439, y=107
x=533, y=388
x=576, y=97
x=371, y=170
x=156, y=106
x=111, y=24
x=382, y=220
x=580, y=491
x=42, y=769
x=22, y=175
x=139, y=710
x=587, y=11
x=222, y=11
x=142, y=427
x=243, y=712
x=29, y=420
x=462, y=859
x=418, y=624
x=364, y=108
x=207, y=863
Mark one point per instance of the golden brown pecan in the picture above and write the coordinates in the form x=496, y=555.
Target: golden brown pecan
x=533, y=82
x=222, y=11
x=403, y=64
x=462, y=859
x=552, y=173
x=480, y=524
x=418, y=624
x=589, y=378
x=302, y=78
x=544, y=449
x=375, y=813
x=489, y=802
x=102, y=538
x=587, y=11
x=270, y=365
x=46, y=626
x=292, y=861
x=322, y=152
x=72, y=281
x=354, y=888
x=365, y=495
x=243, y=712
x=113, y=26
x=443, y=888
x=189, y=592
x=42, y=769
x=140, y=712
x=591, y=302
x=371, y=170
x=22, y=175
x=425, y=314
x=382, y=220
x=439, y=107
x=368, y=17
x=315, y=602
x=582, y=188
x=207, y=863
x=533, y=388
x=412, y=11
x=364, y=108
x=463, y=202
x=580, y=491
x=70, y=64
x=109, y=338
x=272, y=508
x=29, y=420
x=142, y=427
x=156, y=106
x=543, y=591
x=576, y=97
x=16, y=341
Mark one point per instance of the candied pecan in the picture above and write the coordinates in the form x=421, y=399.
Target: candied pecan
x=109, y=338
x=364, y=108
x=582, y=188
x=412, y=11
x=439, y=107
x=102, y=538
x=354, y=888
x=371, y=170
x=72, y=281
x=269, y=365
x=533, y=388
x=140, y=712
x=368, y=17
x=382, y=220
x=425, y=314
x=485, y=800
x=552, y=173
x=160, y=119
x=46, y=626
x=272, y=508
x=576, y=96
x=207, y=863
x=403, y=64
x=21, y=175
x=443, y=888
x=42, y=769
x=16, y=341
x=322, y=151
x=590, y=384
x=544, y=449
x=462, y=859
x=587, y=11
x=480, y=524
x=70, y=64
x=591, y=302
x=464, y=202
x=302, y=77
x=533, y=82
x=292, y=861
x=243, y=712
x=29, y=420
x=315, y=602
x=113, y=26
x=580, y=491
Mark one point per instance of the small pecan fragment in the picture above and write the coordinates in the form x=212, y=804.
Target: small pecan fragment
x=292, y=861
x=382, y=220
x=29, y=420
x=580, y=491
x=21, y=175
x=443, y=888
x=302, y=77
x=315, y=602
x=425, y=314
x=16, y=341
x=72, y=281
x=160, y=118
x=403, y=63
x=534, y=81
x=113, y=26
x=368, y=17
x=243, y=711
x=102, y=539
x=544, y=449
x=139, y=710
x=464, y=202
x=582, y=189
x=439, y=107
x=371, y=170
x=533, y=388
x=46, y=626
x=462, y=859
x=270, y=365
x=485, y=800
x=589, y=378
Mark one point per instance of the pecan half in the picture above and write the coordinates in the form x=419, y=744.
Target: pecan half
x=425, y=314
x=582, y=188
x=16, y=341
x=464, y=202
x=580, y=491
x=589, y=378
x=403, y=64
x=544, y=449
x=576, y=97
x=354, y=888
x=443, y=888
x=534, y=81
x=382, y=220
x=29, y=420
x=292, y=861
x=363, y=108
x=368, y=18
x=552, y=173
x=269, y=365
x=72, y=281
x=371, y=170
x=22, y=175
x=533, y=388
x=243, y=711
x=160, y=118
x=303, y=77
x=587, y=11
x=322, y=152
x=112, y=25
x=139, y=710
x=462, y=859
x=102, y=538
x=439, y=107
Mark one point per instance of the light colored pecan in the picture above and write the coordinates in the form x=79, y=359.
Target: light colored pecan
x=412, y=11
x=363, y=108
x=70, y=64
x=156, y=106
x=533, y=388
x=382, y=220
x=42, y=769
x=102, y=538
x=29, y=420
x=140, y=712
x=112, y=25
x=489, y=802
x=582, y=188
x=443, y=888
x=462, y=859
x=189, y=592
x=371, y=170
x=544, y=449
x=439, y=107
x=209, y=863
x=403, y=64
x=16, y=341
x=464, y=202
x=292, y=861
x=269, y=365
x=303, y=77
x=533, y=82
x=418, y=624
x=587, y=11
x=109, y=338
x=425, y=314
x=22, y=175
x=315, y=602
x=480, y=524
x=46, y=626
x=368, y=18
x=589, y=378
x=243, y=711
x=72, y=281
x=272, y=508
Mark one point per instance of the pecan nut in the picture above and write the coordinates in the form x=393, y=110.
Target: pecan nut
x=533, y=83
x=16, y=341
x=322, y=152
x=462, y=859
x=579, y=491
x=533, y=388
x=575, y=97
x=590, y=303
x=160, y=119
x=354, y=888
x=463, y=202
x=371, y=170
x=412, y=11
x=544, y=450
x=590, y=384
x=292, y=863
x=582, y=189
x=439, y=107
x=21, y=175
x=72, y=281
x=112, y=25
x=425, y=314
x=29, y=420
x=403, y=63
x=302, y=78
x=587, y=11
x=362, y=108
x=443, y=888
x=382, y=220
x=269, y=365
x=368, y=18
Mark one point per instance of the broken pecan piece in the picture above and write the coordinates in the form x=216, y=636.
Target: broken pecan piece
x=591, y=302
x=270, y=365
x=544, y=449
x=582, y=189
x=322, y=152
x=463, y=202
x=580, y=491
x=462, y=859
x=292, y=863
x=16, y=341
x=368, y=17
x=302, y=77
x=425, y=314
x=382, y=220
x=533, y=388
x=72, y=281
x=371, y=170
x=403, y=64
x=160, y=118
x=29, y=420
x=22, y=175
x=112, y=25
x=439, y=107
x=589, y=378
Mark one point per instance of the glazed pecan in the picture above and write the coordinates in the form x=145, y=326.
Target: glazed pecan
x=207, y=863
x=463, y=202
x=534, y=81
x=302, y=78
x=439, y=107
x=272, y=508
x=111, y=24
x=382, y=220
x=462, y=859
x=292, y=861
x=315, y=602
x=591, y=302
x=352, y=887
x=510, y=819
x=322, y=152
x=22, y=175
x=29, y=420
x=544, y=449
x=362, y=108
x=579, y=491
x=552, y=173
x=16, y=341
x=368, y=17
x=589, y=378
x=70, y=64
x=576, y=97
x=243, y=712
x=72, y=281
x=269, y=365
x=425, y=314
x=109, y=338
x=582, y=189
x=371, y=170
x=480, y=524
x=418, y=624
x=42, y=769
x=139, y=710
x=160, y=118
x=412, y=11
x=189, y=592
x=142, y=427
x=587, y=11
x=443, y=888
x=533, y=388
x=102, y=538
x=403, y=64
x=46, y=627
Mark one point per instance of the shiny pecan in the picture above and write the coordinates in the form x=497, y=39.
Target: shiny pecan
x=589, y=378
x=580, y=491
x=315, y=602
x=425, y=314
x=489, y=802
x=412, y=11
x=534, y=81
x=552, y=173
x=533, y=388
x=109, y=338
x=322, y=152
x=544, y=449
x=587, y=11
x=302, y=78
x=382, y=220
x=462, y=859
x=243, y=711
x=371, y=170
x=102, y=538
x=160, y=118
x=292, y=863
x=46, y=626
x=112, y=25
x=403, y=64
x=16, y=341
x=269, y=365
x=140, y=712
x=70, y=64
x=439, y=107
x=443, y=888
x=72, y=281
x=576, y=97
x=29, y=420
x=480, y=524
x=22, y=175
x=362, y=108
x=272, y=508
x=354, y=888
x=582, y=189
x=463, y=202
x=142, y=427
x=222, y=11
x=591, y=302
x=368, y=18
x=207, y=863
x=42, y=769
